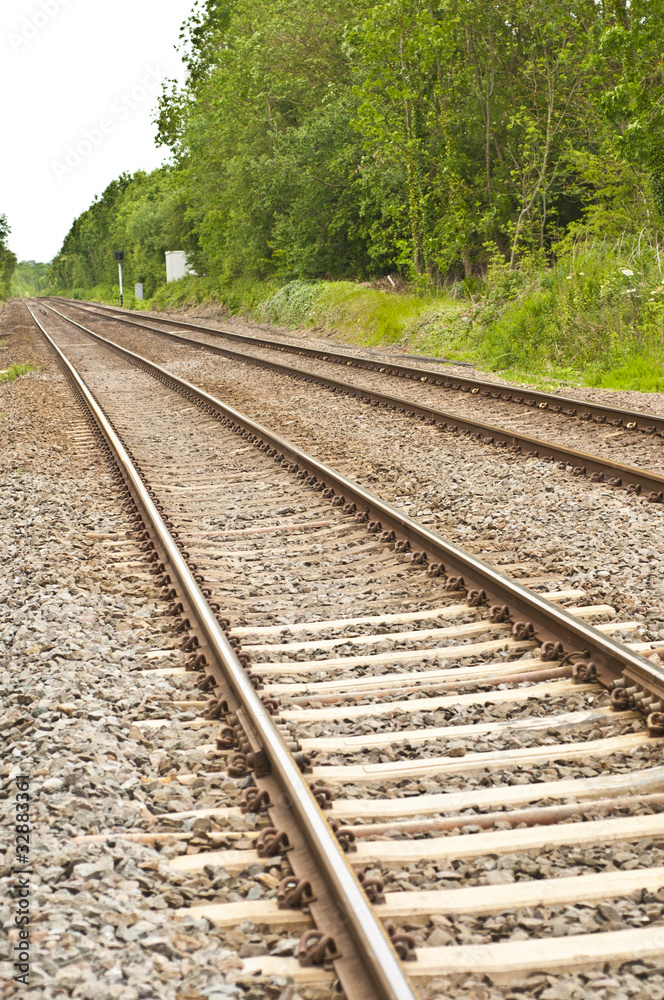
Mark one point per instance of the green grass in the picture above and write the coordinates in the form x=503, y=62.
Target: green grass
x=637, y=373
x=595, y=317
x=237, y=295
x=16, y=371
x=355, y=313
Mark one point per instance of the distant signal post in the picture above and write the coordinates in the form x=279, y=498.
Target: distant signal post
x=119, y=256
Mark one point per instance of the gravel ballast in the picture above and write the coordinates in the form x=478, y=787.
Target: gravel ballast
x=76, y=627
x=82, y=628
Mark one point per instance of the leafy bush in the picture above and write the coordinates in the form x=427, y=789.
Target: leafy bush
x=597, y=313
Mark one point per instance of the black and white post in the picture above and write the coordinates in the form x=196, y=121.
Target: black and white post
x=119, y=256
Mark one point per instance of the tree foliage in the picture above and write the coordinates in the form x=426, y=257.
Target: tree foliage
x=7, y=259
x=318, y=138
x=30, y=278
x=142, y=215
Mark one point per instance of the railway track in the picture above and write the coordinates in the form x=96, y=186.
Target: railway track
x=597, y=467
x=463, y=733
x=546, y=402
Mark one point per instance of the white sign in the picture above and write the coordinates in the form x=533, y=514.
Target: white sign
x=176, y=265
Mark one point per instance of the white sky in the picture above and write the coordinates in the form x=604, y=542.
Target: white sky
x=86, y=61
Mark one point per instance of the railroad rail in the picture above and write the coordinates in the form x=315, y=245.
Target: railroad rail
x=649, y=423
x=368, y=964
x=596, y=468
x=552, y=649
x=611, y=661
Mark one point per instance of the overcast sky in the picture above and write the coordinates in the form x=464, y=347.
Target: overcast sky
x=79, y=79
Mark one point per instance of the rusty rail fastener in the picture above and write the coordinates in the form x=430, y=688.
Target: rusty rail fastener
x=294, y=893
x=373, y=887
x=584, y=672
x=404, y=944
x=523, y=630
x=316, y=948
x=254, y=800
x=323, y=795
x=272, y=842
x=655, y=724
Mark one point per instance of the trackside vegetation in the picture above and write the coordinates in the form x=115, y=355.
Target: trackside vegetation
x=7, y=259
x=30, y=278
x=479, y=178
x=16, y=371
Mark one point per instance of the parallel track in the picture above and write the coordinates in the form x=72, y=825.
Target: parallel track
x=328, y=691
x=582, y=464
x=649, y=423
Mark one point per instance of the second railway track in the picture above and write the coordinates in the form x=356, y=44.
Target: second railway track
x=447, y=384
x=490, y=786
x=604, y=455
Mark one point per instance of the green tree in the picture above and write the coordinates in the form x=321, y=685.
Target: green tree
x=7, y=259
x=315, y=138
x=30, y=278
x=634, y=104
x=143, y=215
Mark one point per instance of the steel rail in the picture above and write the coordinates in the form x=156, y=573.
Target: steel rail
x=583, y=463
x=384, y=976
x=650, y=423
x=613, y=661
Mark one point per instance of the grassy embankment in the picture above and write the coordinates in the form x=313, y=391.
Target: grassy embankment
x=596, y=317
